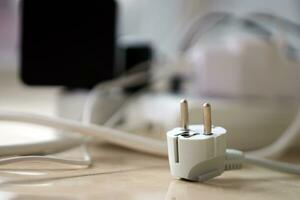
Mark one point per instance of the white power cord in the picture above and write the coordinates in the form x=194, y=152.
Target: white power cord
x=141, y=143
x=135, y=142
x=117, y=137
x=121, y=138
x=235, y=159
x=263, y=23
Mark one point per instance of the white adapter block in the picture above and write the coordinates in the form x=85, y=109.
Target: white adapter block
x=195, y=156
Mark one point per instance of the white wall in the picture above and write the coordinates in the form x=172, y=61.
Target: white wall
x=162, y=21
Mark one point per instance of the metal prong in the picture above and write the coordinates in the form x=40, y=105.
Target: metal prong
x=184, y=112
x=207, y=118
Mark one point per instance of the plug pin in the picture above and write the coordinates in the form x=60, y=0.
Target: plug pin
x=207, y=118
x=184, y=112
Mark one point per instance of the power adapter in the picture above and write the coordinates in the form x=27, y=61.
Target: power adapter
x=199, y=152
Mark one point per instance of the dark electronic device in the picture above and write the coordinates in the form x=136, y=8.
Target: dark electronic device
x=68, y=43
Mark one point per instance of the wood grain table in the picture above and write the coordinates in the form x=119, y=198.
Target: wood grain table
x=119, y=173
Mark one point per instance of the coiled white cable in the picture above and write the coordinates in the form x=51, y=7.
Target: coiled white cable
x=121, y=138
x=135, y=142
x=203, y=24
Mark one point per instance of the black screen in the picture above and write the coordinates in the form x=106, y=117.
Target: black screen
x=67, y=42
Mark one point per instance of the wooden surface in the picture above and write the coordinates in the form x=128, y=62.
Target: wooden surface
x=119, y=173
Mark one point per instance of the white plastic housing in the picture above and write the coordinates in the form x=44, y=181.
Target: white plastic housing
x=198, y=157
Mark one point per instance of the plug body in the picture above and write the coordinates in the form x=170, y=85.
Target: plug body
x=195, y=155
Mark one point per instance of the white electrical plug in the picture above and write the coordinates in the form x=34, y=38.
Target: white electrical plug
x=196, y=152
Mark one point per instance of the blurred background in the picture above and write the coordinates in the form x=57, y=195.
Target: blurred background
x=141, y=18
x=242, y=56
